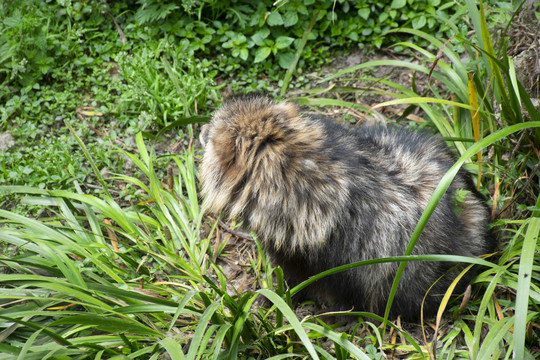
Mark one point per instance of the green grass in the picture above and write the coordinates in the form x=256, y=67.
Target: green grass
x=106, y=253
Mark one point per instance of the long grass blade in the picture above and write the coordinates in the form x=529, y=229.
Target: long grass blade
x=173, y=348
x=530, y=244
x=90, y=160
x=473, y=101
x=292, y=66
x=291, y=317
x=338, y=340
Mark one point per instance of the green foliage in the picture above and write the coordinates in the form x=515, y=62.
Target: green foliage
x=36, y=36
x=137, y=275
x=257, y=31
x=166, y=83
x=43, y=155
x=64, y=71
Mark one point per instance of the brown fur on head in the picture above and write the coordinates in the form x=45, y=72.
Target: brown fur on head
x=259, y=158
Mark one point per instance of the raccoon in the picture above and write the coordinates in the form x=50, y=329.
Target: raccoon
x=320, y=195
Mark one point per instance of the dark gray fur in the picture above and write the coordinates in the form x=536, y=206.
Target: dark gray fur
x=320, y=195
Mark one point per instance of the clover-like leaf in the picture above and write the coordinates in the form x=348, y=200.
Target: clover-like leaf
x=398, y=4
x=262, y=53
x=283, y=41
x=274, y=19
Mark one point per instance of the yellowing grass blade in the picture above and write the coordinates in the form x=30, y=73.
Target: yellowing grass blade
x=473, y=101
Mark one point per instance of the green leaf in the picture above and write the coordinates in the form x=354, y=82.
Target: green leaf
x=364, y=13
x=293, y=320
x=285, y=60
x=201, y=329
x=513, y=78
x=398, y=4
x=283, y=41
x=338, y=339
x=27, y=346
x=259, y=36
x=13, y=22
x=524, y=286
x=419, y=22
x=262, y=53
x=290, y=18
x=244, y=53
x=173, y=348
x=107, y=323
x=274, y=19
x=367, y=32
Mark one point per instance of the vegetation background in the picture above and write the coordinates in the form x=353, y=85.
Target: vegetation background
x=105, y=253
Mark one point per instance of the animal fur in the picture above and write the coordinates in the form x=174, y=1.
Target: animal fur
x=319, y=195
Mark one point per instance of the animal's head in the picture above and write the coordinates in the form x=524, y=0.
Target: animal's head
x=251, y=142
x=268, y=166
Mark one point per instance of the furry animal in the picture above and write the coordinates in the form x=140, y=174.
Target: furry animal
x=319, y=195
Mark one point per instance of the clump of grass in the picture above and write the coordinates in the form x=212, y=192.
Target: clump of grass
x=163, y=81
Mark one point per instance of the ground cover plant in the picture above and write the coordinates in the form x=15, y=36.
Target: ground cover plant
x=57, y=57
x=106, y=253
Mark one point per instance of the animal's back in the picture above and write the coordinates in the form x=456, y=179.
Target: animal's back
x=403, y=169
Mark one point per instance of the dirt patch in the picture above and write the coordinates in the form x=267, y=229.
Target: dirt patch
x=524, y=46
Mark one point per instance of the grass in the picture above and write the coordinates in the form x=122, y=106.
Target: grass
x=145, y=276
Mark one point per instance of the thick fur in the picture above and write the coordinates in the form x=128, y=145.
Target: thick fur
x=319, y=195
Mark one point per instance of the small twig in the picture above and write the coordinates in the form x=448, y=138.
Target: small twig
x=438, y=57
x=122, y=36
x=104, y=134
x=240, y=234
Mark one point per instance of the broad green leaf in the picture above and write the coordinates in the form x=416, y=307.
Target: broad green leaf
x=419, y=22
x=274, y=19
x=283, y=42
x=290, y=18
x=398, y=4
x=364, y=13
x=285, y=59
x=244, y=53
x=262, y=53
x=259, y=37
